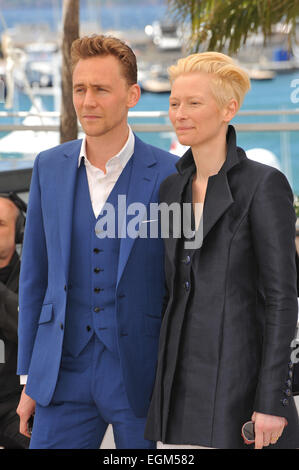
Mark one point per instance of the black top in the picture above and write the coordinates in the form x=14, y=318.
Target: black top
x=9, y=280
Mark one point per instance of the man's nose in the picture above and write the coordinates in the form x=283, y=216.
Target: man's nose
x=89, y=99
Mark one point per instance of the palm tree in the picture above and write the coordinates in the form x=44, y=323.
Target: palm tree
x=228, y=23
x=68, y=119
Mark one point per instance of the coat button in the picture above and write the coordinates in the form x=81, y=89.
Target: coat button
x=97, y=250
x=97, y=290
x=288, y=392
x=284, y=401
x=97, y=270
x=187, y=286
x=88, y=328
x=289, y=383
x=61, y=326
x=186, y=260
x=97, y=309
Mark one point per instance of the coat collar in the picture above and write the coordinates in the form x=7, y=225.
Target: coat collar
x=218, y=194
x=186, y=164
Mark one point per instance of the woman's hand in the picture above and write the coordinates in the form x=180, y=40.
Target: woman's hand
x=268, y=429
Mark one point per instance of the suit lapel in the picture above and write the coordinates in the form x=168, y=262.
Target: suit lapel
x=66, y=179
x=142, y=183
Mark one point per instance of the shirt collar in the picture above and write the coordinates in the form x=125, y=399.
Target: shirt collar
x=122, y=157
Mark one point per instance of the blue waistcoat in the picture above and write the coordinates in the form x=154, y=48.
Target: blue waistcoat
x=93, y=271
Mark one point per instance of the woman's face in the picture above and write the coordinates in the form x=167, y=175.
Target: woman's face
x=194, y=112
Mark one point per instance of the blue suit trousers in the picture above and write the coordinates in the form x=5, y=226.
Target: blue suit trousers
x=89, y=395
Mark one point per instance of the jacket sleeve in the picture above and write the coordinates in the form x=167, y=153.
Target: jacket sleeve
x=272, y=218
x=9, y=313
x=33, y=274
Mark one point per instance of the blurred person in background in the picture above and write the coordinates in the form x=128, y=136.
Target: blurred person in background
x=11, y=230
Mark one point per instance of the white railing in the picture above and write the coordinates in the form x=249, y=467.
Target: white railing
x=281, y=126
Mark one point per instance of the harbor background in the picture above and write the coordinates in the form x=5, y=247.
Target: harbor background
x=43, y=19
x=128, y=19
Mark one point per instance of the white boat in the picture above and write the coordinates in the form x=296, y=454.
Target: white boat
x=165, y=35
x=154, y=80
x=258, y=74
x=29, y=143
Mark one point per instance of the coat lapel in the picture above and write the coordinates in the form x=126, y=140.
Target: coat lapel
x=218, y=199
x=66, y=179
x=142, y=183
x=218, y=195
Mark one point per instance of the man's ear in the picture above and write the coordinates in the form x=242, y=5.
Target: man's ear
x=133, y=95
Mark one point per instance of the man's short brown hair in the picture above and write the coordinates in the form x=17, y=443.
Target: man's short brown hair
x=100, y=45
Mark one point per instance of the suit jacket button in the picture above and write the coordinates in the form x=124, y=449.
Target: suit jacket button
x=284, y=401
x=187, y=286
x=288, y=392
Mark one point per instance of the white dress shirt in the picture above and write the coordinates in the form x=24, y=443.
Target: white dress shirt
x=101, y=184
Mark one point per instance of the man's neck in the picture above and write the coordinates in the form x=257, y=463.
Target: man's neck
x=101, y=149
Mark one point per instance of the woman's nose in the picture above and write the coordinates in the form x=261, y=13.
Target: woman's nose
x=181, y=112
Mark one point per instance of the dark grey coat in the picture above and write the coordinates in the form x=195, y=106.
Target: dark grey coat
x=224, y=348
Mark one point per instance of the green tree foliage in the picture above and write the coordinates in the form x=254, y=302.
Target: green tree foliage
x=227, y=23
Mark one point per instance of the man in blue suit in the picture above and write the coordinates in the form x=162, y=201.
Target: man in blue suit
x=90, y=306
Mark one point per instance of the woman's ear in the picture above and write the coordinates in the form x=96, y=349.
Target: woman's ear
x=230, y=110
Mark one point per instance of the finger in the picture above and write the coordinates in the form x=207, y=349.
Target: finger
x=259, y=439
x=274, y=438
x=24, y=426
x=267, y=439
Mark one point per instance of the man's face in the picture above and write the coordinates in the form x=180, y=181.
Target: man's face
x=8, y=217
x=101, y=95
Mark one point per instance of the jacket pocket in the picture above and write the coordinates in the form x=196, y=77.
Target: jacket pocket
x=46, y=314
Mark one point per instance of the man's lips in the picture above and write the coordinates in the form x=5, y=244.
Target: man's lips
x=91, y=116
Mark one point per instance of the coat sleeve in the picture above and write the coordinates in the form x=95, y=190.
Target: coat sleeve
x=33, y=274
x=272, y=218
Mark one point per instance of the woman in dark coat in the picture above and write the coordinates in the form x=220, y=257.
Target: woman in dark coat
x=231, y=310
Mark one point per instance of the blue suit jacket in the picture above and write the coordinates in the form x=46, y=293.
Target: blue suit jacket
x=45, y=266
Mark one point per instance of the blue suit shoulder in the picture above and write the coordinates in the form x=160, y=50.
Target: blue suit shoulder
x=166, y=159
x=55, y=152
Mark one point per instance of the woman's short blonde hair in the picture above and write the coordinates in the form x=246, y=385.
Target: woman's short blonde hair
x=228, y=79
